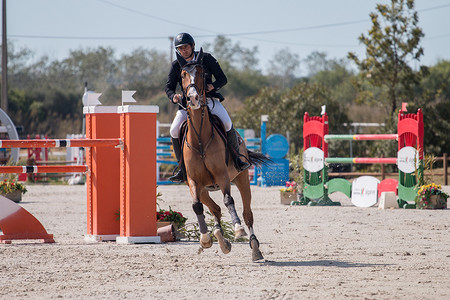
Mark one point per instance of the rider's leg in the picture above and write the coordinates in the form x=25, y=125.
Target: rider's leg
x=217, y=109
x=180, y=176
x=232, y=139
x=180, y=117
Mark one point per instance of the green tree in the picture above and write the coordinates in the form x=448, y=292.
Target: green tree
x=392, y=44
x=287, y=108
x=282, y=68
x=144, y=71
x=438, y=81
x=434, y=100
x=240, y=65
x=334, y=74
x=232, y=55
x=316, y=62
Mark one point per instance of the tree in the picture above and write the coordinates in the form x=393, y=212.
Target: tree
x=144, y=71
x=392, y=44
x=334, y=74
x=287, y=108
x=434, y=100
x=438, y=81
x=240, y=66
x=316, y=62
x=233, y=55
x=282, y=68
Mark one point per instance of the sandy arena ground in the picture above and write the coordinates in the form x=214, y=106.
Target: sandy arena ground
x=311, y=253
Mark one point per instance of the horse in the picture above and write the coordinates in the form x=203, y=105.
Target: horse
x=206, y=158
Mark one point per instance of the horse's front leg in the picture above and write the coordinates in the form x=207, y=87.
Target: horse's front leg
x=239, y=230
x=197, y=206
x=224, y=244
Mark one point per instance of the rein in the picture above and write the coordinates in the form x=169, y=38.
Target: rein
x=201, y=150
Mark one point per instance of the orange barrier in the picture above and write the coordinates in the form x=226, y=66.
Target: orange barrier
x=121, y=182
x=17, y=223
x=138, y=175
x=103, y=182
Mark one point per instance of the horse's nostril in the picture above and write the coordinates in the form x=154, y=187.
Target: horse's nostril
x=196, y=97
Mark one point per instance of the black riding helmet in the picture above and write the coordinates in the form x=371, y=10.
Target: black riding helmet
x=183, y=39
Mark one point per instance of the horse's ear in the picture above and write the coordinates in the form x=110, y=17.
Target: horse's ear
x=200, y=56
x=181, y=60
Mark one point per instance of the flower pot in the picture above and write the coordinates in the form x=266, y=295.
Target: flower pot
x=287, y=197
x=434, y=202
x=15, y=196
x=166, y=233
x=177, y=234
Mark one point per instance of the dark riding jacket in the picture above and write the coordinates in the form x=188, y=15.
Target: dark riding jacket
x=211, y=67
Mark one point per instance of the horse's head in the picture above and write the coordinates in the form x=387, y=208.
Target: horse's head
x=193, y=80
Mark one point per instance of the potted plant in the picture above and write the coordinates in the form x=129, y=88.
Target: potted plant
x=171, y=216
x=288, y=193
x=11, y=188
x=431, y=196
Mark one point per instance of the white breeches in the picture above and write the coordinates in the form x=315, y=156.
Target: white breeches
x=215, y=107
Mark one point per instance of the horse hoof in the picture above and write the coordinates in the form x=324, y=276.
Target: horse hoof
x=256, y=255
x=254, y=244
x=239, y=231
x=205, y=241
x=224, y=244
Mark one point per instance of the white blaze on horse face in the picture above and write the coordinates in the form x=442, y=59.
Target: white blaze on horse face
x=192, y=93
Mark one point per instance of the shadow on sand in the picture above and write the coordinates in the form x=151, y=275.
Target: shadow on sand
x=322, y=263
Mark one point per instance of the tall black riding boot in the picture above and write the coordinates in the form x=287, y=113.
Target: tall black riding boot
x=232, y=139
x=181, y=174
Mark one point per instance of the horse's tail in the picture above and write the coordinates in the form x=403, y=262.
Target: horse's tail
x=258, y=159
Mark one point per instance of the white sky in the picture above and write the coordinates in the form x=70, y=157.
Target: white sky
x=53, y=27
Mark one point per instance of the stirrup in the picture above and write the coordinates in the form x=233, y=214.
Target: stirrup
x=179, y=177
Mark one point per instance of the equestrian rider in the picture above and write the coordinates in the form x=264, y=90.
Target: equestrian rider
x=185, y=45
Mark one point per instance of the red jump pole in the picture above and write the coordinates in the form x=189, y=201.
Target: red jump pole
x=361, y=137
x=375, y=160
x=375, y=137
x=55, y=143
x=43, y=169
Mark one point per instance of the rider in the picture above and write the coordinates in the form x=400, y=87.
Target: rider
x=185, y=45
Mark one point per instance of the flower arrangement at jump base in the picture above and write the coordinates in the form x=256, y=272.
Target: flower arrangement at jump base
x=174, y=217
x=291, y=187
x=431, y=196
x=12, y=189
x=288, y=193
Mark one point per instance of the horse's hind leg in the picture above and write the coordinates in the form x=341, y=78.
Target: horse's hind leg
x=225, y=186
x=243, y=184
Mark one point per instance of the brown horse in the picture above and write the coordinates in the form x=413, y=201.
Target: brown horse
x=206, y=158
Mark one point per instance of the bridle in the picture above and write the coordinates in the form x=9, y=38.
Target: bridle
x=189, y=68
